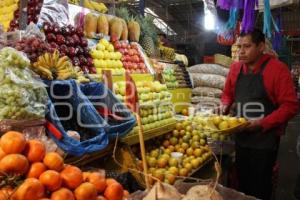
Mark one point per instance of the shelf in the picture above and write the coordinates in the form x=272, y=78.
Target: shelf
x=132, y=139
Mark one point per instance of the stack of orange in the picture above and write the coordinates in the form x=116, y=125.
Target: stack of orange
x=45, y=176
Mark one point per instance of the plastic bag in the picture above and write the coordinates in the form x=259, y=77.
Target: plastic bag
x=22, y=126
x=208, y=80
x=209, y=69
x=22, y=96
x=54, y=11
x=207, y=91
x=33, y=30
x=118, y=118
x=70, y=109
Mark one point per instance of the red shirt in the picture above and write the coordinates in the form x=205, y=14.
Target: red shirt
x=279, y=86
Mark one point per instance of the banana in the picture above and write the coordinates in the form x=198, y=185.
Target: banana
x=64, y=76
x=51, y=66
x=88, y=4
x=100, y=7
x=45, y=72
x=62, y=61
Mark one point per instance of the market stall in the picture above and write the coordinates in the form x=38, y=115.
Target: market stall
x=84, y=93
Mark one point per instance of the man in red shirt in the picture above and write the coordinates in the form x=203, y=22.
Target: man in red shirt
x=260, y=88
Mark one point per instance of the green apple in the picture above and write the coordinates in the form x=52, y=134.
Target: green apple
x=118, y=56
x=100, y=47
x=110, y=48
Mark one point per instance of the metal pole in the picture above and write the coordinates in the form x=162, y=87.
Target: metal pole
x=23, y=14
x=142, y=7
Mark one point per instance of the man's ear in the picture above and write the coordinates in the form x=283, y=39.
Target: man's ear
x=262, y=47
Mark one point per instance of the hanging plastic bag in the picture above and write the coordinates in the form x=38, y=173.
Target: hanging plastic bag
x=22, y=96
x=69, y=109
x=54, y=11
x=118, y=118
x=33, y=30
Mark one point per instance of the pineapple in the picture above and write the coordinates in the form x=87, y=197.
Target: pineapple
x=148, y=45
x=148, y=36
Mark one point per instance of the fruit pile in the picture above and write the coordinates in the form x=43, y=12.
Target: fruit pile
x=182, y=76
x=178, y=153
x=33, y=47
x=33, y=10
x=214, y=126
x=132, y=59
x=170, y=79
x=106, y=58
x=93, y=5
x=21, y=96
x=158, y=66
x=167, y=52
x=29, y=172
x=70, y=42
x=8, y=11
x=154, y=101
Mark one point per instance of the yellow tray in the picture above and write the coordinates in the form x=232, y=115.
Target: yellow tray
x=229, y=130
x=149, y=134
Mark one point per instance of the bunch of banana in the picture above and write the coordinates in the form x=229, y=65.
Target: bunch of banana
x=100, y=7
x=167, y=52
x=80, y=76
x=51, y=66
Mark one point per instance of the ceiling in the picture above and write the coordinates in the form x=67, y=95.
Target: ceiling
x=185, y=17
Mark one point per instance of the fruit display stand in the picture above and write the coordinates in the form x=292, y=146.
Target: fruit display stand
x=135, y=77
x=132, y=139
x=155, y=107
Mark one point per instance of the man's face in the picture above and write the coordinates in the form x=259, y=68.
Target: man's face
x=249, y=52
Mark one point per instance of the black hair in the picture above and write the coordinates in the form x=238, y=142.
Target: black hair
x=257, y=36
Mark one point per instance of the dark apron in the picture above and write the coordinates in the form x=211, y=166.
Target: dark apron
x=250, y=89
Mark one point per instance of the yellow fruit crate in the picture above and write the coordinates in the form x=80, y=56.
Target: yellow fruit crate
x=149, y=134
x=135, y=77
x=181, y=98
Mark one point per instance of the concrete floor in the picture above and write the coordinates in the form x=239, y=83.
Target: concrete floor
x=289, y=161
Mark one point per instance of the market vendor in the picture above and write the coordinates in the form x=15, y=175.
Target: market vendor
x=261, y=89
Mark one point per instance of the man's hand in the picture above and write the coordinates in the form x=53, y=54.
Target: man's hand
x=250, y=126
x=254, y=126
x=221, y=110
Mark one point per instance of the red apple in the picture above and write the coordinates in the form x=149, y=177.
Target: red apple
x=135, y=59
x=60, y=39
x=125, y=52
x=117, y=45
x=72, y=52
x=79, y=31
x=84, y=42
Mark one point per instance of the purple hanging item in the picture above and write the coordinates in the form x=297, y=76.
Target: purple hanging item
x=225, y=4
x=249, y=15
x=277, y=39
x=228, y=4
